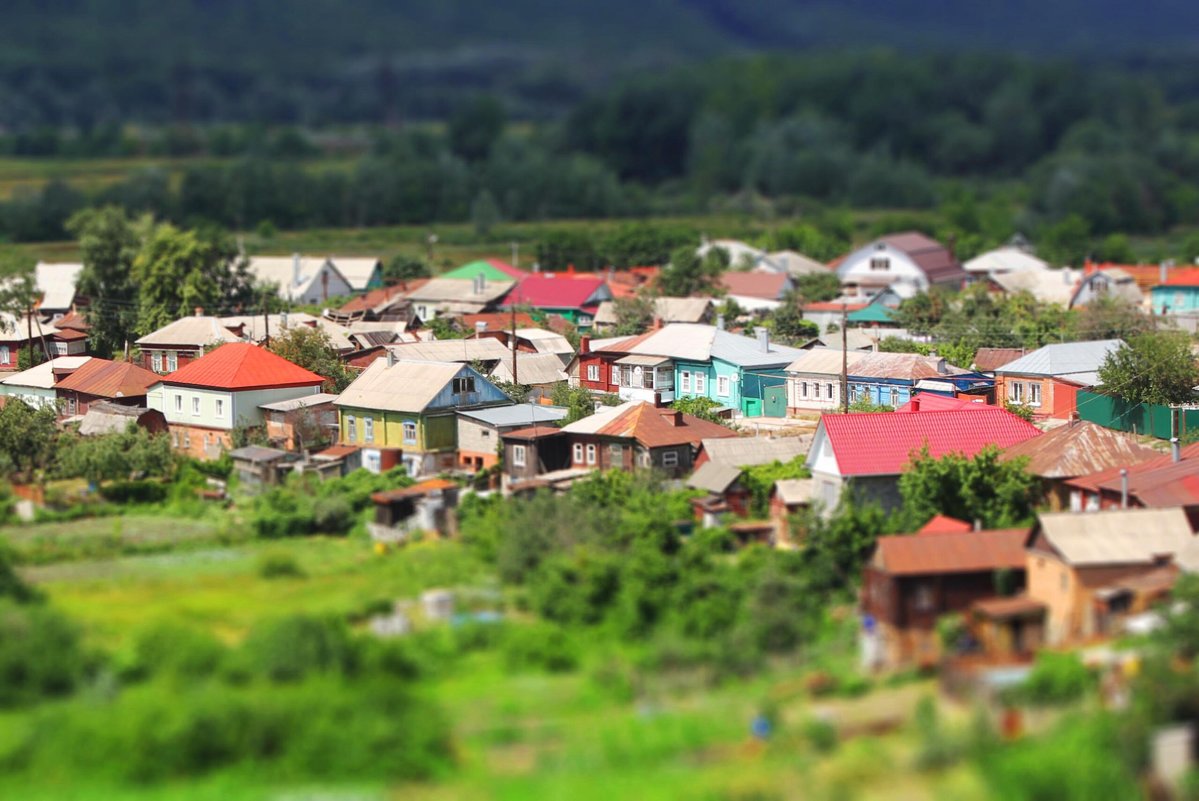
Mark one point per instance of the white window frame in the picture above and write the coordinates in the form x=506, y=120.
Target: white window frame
x=351, y=428
x=156, y=361
x=593, y=372
x=406, y=426
x=722, y=386
x=179, y=402
x=894, y=396
x=172, y=361
x=1016, y=392
x=831, y=394
x=220, y=407
x=196, y=406
x=578, y=453
x=685, y=381
x=1034, y=393
x=880, y=264
x=368, y=429
x=670, y=458
x=615, y=375
x=701, y=384
x=5, y=354
x=592, y=453
x=518, y=455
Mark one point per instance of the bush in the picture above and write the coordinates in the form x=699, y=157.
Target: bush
x=290, y=648
x=175, y=650
x=1055, y=679
x=40, y=654
x=332, y=516
x=820, y=734
x=126, y=492
x=540, y=647
x=279, y=564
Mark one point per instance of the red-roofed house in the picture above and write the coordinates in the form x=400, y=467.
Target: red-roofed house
x=225, y=389
x=757, y=290
x=1157, y=482
x=1179, y=293
x=575, y=297
x=123, y=383
x=866, y=453
x=912, y=580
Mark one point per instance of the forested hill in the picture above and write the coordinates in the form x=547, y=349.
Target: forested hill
x=83, y=62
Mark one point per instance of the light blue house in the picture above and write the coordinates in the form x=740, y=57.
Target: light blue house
x=890, y=379
x=744, y=373
x=1177, y=295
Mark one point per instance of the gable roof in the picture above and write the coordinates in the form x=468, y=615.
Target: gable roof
x=825, y=361
x=405, y=386
x=714, y=477
x=933, y=258
x=1115, y=537
x=794, y=490
x=648, y=425
x=109, y=379
x=1079, y=449
x=459, y=290
x=451, y=350
x=56, y=283
x=520, y=414
x=883, y=443
x=294, y=275
x=105, y=417
x=1006, y=259
x=558, y=291
x=357, y=270
x=491, y=269
x=794, y=263
x=944, y=524
x=41, y=376
x=988, y=360
x=762, y=285
x=531, y=368
x=242, y=366
x=196, y=332
x=1048, y=286
x=1100, y=478
x=905, y=366
x=750, y=451
x=1077, y=362
x=952, y=552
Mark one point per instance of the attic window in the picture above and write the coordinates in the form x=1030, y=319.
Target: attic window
x=464, y=385
x=880, y=264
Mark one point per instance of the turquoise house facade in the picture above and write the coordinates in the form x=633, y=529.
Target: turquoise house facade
x=1180, y=298
x=743, y=373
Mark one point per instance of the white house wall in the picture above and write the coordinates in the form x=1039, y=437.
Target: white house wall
x=856, y=267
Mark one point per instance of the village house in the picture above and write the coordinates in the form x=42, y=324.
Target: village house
x=56, y=285
x=301, y=423
x=122, y=383
x=182, y=342
x=480, y=431
x=1048, y=286
x=638, y=435
x=1005, y=261
x=535, y=456
x=405, y=412
x=814, y=379
x=666, y=311
x=865, y=453
x=300, y=279
x=1076, y=449
x=750, y=451
x=424, y=507
x=539, y=371
x=363, y=274
x=912, y=580
x=106, y=417
x=257, y=466
x=1178, y=293
x=386, y=304
x=573, y=296
x=36, y=386
x=442, y=295
x=1089, y=571
x=1111, y=283
x=889, y=379
x=1159, y=481
x=18, y=332
x=727, y=495
x=1047, y=380
x=908, y=263
x=207, y=399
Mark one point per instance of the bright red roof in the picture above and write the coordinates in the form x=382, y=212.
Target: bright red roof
x=944, y=524
x=555, y=291
x=883, y=443
x=931, y=402
x=1185, y=276
x=240, y=365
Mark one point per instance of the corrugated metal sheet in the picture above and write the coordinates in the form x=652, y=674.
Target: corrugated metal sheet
x=953, y=552
x=1078, y=450
x=749, y=451
x=714, y=477
x=1117, y=537
x=1064, y=360
x=240, y=365
x=196, y=331
x=410, y=386
x=451, y=350
x=905, y=366
x=824, y=361
x=108, y=379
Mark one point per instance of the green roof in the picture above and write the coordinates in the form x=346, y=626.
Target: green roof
x=491, y=269
x=874, y=313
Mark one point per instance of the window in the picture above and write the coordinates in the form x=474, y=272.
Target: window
x=616, y=452
x=175, y=439
x=924, y=598
x=220, y=407
x=156, y=362
x=722, y=386
x=195, y=405
x=518, y=455
x=831, y=396
x=172, y=362
x=894, y=397
x=1016, y=392
x=593, y=372
x=410, y=432
x=615, y=374
x=647, y=378
x=803, y=389
x=670, y=459
x=1034, y=394
x=178, y=403
x=591, y=454
x=685, y=381
x=880, y=263
x=486, y=433
x=351, y=429
x=853, y=393
x=578, y=453
x=368, y=429
x=464, y=385
x=626, y=377
x=5, y=355
x=701, y=383
x=71, y=405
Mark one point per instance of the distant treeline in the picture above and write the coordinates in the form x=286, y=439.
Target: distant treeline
x=1028, y=145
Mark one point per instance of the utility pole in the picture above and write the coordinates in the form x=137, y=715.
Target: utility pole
x=266, y=321
x=29, y=332
x=844, y=359
x=513, y=343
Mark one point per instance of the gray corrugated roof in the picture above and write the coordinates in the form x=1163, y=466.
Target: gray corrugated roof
x=198, y=331
x=1066, y=359
x=300, y=403
x=748, y=451
x=521, y=414
x=824, y=361
x=714, y=477
x=402, y=387
x=1121, y=536
x=531, y=368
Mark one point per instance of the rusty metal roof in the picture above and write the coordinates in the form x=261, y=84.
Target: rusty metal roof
x=1078, y=450
x=953, y=552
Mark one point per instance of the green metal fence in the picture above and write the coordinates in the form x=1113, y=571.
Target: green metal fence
x=1139, y=418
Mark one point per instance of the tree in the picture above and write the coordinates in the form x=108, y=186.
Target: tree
x=700, y=407
x=27, y=437
x=1155, y=367
x=579, y=401
x=633, y=315
x=690, y=274
x=982, y=487
x=1066, y=242
x=1110, y=317
x=818, y=287
x=788, y=323
x=133, y=452
x=484, y=213
x=108, y=243
x=311, y=349
x=475, y=127
x=402, y=267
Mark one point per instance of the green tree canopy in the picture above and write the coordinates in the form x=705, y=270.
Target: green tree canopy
x=633, y=315
x=27, y=437
x=311, y=349
x=1155, y=367
x=997, y=493
x=690, y=274
x=108, y=243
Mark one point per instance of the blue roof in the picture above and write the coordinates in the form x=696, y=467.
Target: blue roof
x=519, y=414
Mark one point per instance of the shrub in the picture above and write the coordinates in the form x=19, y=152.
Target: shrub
x=279, y=564
x=332, y=516
x=1055, y=679
x=175, y=650
x=126, y=492
x=40, y=654
x=540, y=647
x=820, y=734
x=291, y=648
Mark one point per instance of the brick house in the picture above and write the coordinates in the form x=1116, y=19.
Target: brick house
x=178, y=344
x=1047, y=380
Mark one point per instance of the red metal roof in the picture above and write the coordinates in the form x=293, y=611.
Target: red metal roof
x=1094, y=481
x=944, y=524
x=69, y=334
x=833, y=305
x=109, y=379
x=883, y=443
x=952, y=552
x=1185, y=276
x=553, y=291
x=240, y=365
x=931, y=402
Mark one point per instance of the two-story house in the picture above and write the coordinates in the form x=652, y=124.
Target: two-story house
x=225, y=389
x=908, y=263
x=180, y=343
x=405, y=412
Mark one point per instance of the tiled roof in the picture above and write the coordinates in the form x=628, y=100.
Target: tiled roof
x=883, y=443
x=952, y=552
x=767, y=286
x=1079, y=449
x=944, y=524
x=1066, y=360
x=555, y=291
x=108, y=379
x=241, y=366
x=648, y=425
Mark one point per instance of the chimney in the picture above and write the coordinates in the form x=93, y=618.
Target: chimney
x=295, y=269
x=720, y=322
x=1175, y=449
x=978, y=524
x=915, y=403
x=1123, y=487
x=570, y=271
x=199, y=311
x=584, y=345
x=1162, y=270
x=763, y=339
x=391, y=358
x=672, y=416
